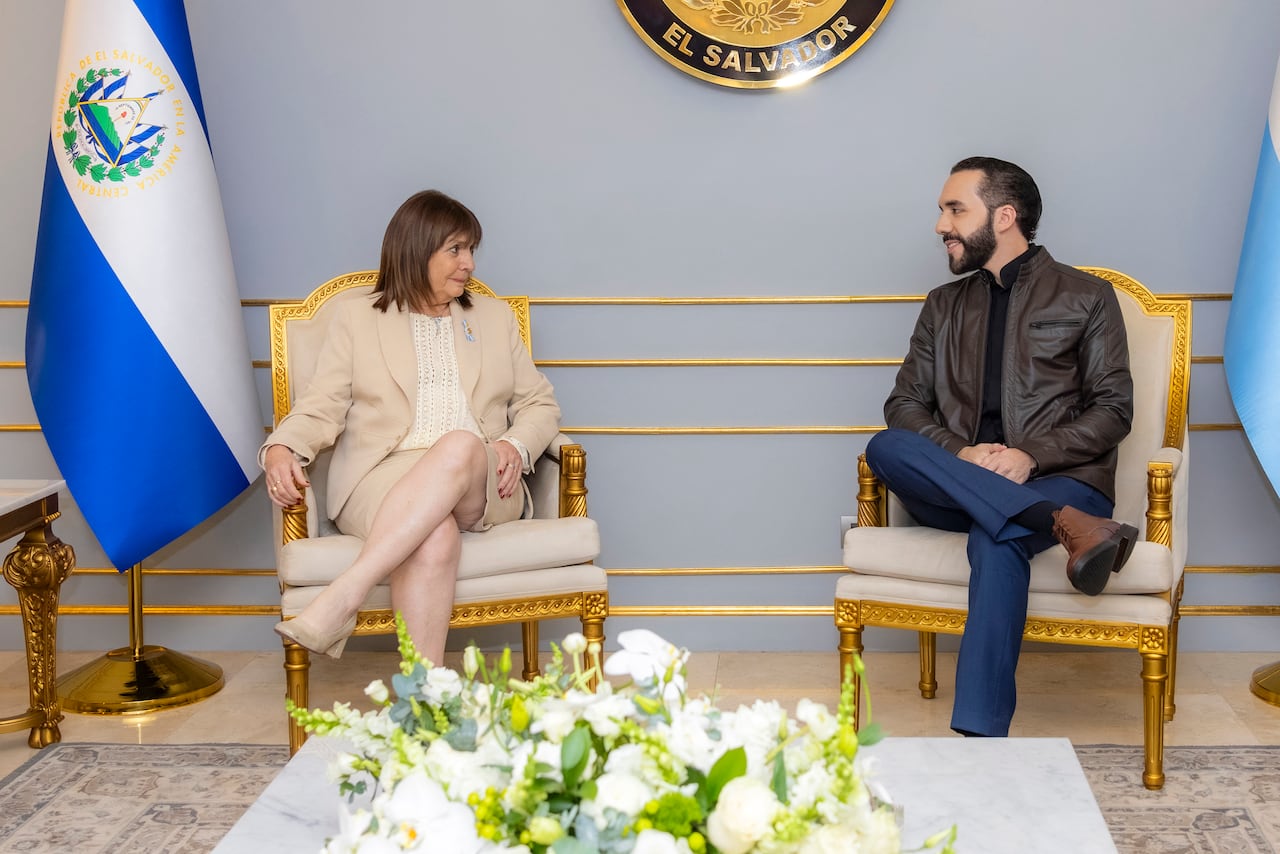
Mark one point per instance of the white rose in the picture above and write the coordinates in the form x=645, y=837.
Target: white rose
x=831, y=839
x=605, y=715
x=687, y=737
x=815, y=716
x=622, y=792
x=878, y=833
x=442, y=683
x=755, y=728
x=466, y=771
x=554, y=719
x=743, y=816
x=655, y=842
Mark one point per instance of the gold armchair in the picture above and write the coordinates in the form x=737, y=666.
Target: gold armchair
x=522, y=571
x=910, y=577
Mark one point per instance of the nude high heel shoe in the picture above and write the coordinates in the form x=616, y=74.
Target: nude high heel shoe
x=330, y=643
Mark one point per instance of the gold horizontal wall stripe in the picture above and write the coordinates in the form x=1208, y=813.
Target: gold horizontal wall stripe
x=1229, y=610
x=201, y=571
x=264, y=364
x=847, y=299
x=725, y=570
x=720, y=431
x=614, y=610
x=640, y=570
x=827, y=611
x=796, y=430
x=702, y=363
x=160, y=610
x=815, y=300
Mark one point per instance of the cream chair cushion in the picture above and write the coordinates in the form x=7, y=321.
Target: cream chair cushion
x=512, y=547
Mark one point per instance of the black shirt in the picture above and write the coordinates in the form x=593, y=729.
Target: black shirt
x=991, y=424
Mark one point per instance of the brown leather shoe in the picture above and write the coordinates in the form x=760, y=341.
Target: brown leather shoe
x=1096, y=547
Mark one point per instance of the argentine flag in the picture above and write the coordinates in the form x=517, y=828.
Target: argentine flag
x=136, y=351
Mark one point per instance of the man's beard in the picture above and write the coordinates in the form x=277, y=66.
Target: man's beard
x=978, y=248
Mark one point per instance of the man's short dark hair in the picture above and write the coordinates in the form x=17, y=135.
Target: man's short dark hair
x=1006, y=183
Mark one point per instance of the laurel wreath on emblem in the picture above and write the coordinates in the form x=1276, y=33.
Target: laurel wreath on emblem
x=83, y=163
x=745, y=16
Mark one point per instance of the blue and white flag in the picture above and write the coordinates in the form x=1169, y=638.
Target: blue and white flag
x=1251, y=353
x=136, y=351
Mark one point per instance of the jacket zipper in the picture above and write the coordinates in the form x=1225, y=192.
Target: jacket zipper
x=1049, y=324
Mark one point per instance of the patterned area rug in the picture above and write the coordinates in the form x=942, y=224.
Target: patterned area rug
x=1215, y=799
x=176, y=799
x=166, y=799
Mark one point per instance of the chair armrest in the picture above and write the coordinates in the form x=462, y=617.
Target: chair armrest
x=872, y=497
x=294, y=521
x=1166, y=495
x=558, y=484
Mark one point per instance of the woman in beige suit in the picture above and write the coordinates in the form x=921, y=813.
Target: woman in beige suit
x=435, y=411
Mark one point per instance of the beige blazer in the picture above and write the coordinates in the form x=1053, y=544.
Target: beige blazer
x=364, y=392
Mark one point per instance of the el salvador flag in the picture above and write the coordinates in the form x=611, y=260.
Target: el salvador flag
x=136, y=351
x=1251, y=353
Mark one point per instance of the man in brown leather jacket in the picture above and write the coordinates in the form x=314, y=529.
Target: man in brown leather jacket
x=1004, y=421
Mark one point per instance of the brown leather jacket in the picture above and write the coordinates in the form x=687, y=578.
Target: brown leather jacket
x=1068, y=396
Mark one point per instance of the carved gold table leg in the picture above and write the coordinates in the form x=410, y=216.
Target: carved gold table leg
x=36, y=568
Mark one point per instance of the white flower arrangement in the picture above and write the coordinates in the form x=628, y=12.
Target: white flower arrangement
x=481, y=762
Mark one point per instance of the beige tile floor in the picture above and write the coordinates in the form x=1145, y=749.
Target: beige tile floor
x=1089, y=697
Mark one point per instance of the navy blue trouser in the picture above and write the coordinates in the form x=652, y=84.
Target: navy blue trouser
x=943, y=491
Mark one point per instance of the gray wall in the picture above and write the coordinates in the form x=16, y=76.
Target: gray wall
x=598, y=170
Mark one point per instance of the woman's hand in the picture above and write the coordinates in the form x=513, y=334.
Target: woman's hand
x=285, y=476
x=510, y=467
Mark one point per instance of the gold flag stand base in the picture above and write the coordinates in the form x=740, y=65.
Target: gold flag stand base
x=1266, y=683
x=138, y=678
x=122, y=683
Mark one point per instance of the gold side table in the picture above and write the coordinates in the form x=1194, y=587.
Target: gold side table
x=36, y=568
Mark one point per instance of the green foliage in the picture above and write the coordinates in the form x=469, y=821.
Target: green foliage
x=732, y=764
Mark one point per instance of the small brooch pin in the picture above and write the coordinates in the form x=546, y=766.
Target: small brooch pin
x=466, y=330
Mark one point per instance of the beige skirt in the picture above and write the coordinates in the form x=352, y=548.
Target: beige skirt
x=357, y=515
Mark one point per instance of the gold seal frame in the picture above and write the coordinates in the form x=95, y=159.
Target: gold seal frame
x=755, y=44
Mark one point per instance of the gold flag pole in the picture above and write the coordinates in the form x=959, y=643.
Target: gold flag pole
x=1266, y=683
x=138, y=678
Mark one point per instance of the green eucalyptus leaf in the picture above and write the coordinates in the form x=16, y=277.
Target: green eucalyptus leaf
x=573, y=755
x=779, y=783
x=732, y=764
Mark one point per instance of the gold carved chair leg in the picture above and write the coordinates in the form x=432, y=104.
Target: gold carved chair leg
x=297, y=670
x=595, y=607
x=36, y=567
x=850, y=646
x=1170, y=705
x=928, y=665
x=529, y=638
x=1154, y=684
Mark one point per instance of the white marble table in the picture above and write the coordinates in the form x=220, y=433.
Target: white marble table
x=1005, y=795
x=36, y=568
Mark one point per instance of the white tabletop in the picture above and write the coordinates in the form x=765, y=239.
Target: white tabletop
x=1005, y=795
x=15, y=494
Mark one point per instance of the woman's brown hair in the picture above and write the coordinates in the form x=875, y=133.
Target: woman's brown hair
x=417, y=231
